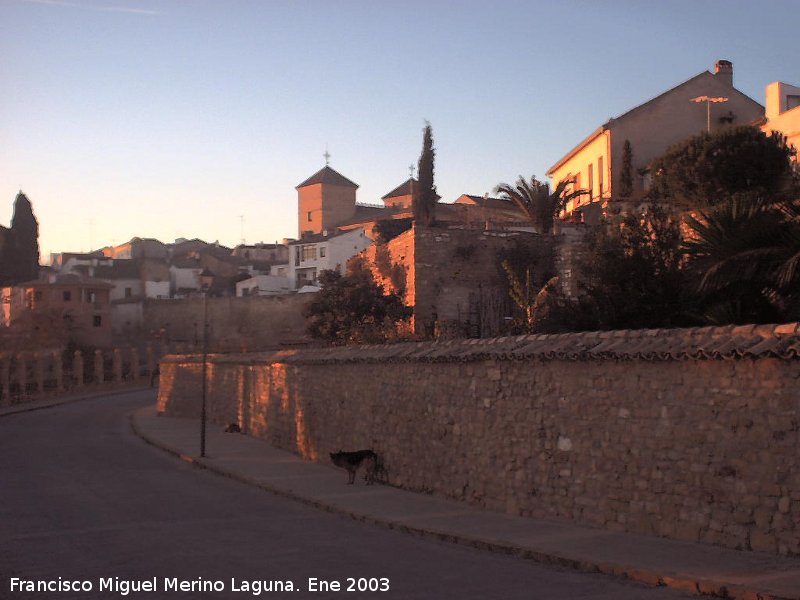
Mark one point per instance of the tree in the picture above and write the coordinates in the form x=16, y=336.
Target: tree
x=745, y=260
x=535, y=200
x=626, y=175
x=632, y=273
x=527, y=296
x=352, y=308
x=711, y=168
x=19, y=255
x=5, y=256
x=424, y=197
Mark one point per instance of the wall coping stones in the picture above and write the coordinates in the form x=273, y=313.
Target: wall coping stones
x=752, y=342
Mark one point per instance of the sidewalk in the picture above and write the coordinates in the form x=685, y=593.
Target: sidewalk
x=86, y=394
x=686, y=566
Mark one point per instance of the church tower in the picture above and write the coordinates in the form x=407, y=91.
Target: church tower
x=324, y=201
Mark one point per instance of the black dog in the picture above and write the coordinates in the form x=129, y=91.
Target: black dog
x=353, y=460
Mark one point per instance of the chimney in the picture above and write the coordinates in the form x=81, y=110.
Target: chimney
x=723, y=70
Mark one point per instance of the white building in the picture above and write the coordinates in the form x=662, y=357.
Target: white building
x=184, y=277
x=324, y=251
x=783, y=112
x=263, y=285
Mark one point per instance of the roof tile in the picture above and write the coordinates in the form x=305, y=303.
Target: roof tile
x=707, y=343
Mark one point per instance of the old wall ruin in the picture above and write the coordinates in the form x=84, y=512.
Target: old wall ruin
x=453, y=278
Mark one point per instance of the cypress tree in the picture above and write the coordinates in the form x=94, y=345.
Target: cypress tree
x=5, y=254
x=424, y=200
x=23, y=258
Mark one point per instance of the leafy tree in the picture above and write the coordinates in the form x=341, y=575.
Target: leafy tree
x=352, y=308
x=711, y=168
x=537, y=202
x=626, y=175
x=424, y=199
x=745, y=260
x=632, y=273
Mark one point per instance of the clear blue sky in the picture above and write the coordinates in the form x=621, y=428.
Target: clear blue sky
x=172, y=118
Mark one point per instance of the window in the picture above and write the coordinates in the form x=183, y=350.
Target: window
x=591, y=182
x=90, y=296
x=128, y=292
x=308, y=216
x=600, y=175
x=37, y=295
x=67, y=295
x=97, y=321
x=309, y=253
x=322, y=251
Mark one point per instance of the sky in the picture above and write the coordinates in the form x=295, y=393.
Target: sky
x=197, y=118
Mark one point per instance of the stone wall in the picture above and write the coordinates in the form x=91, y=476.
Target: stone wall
x=687, y=434
x=248, y=323
x=453, y=278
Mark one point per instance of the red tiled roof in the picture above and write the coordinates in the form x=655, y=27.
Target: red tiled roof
x=328, y=176
x=404, y=189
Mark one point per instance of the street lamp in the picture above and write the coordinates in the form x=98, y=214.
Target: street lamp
x=708, y=100
x=206, y=279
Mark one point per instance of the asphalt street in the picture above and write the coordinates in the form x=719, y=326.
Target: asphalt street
x=84, y=500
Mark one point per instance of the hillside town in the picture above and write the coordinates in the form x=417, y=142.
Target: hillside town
x=137, y=291
x=555, y=357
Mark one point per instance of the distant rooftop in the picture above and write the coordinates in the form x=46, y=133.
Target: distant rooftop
x=328, y=176
x=404, y=189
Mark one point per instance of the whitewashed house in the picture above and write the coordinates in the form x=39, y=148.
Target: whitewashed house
x=329, y=250
x=263, y=285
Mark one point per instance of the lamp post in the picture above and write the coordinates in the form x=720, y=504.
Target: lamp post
x=708, y=100
x=205, y=283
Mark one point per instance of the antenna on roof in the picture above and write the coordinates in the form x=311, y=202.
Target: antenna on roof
x=327, y=156
x=241, y=228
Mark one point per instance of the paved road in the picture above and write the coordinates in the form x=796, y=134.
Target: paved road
x=82, y=498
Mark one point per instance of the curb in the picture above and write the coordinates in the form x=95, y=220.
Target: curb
x=34, y=405
x=684, y=583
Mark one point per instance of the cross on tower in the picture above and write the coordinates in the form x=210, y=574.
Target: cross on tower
x=327, y=156
x=411, y=170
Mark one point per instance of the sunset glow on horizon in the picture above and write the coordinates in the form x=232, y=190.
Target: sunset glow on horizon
x=174, y=118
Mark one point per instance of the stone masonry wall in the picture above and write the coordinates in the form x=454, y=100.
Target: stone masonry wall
x=687, y=434
x=248, y=323
x=452, y=276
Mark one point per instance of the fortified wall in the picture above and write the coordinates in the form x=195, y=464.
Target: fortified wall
x=689, y=434
x=453, y=278
x=239, y=324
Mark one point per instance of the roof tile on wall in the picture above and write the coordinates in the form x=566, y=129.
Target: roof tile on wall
x=700, y=343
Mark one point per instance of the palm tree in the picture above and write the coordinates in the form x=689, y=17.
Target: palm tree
x=537, y=202
x=745, y=254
